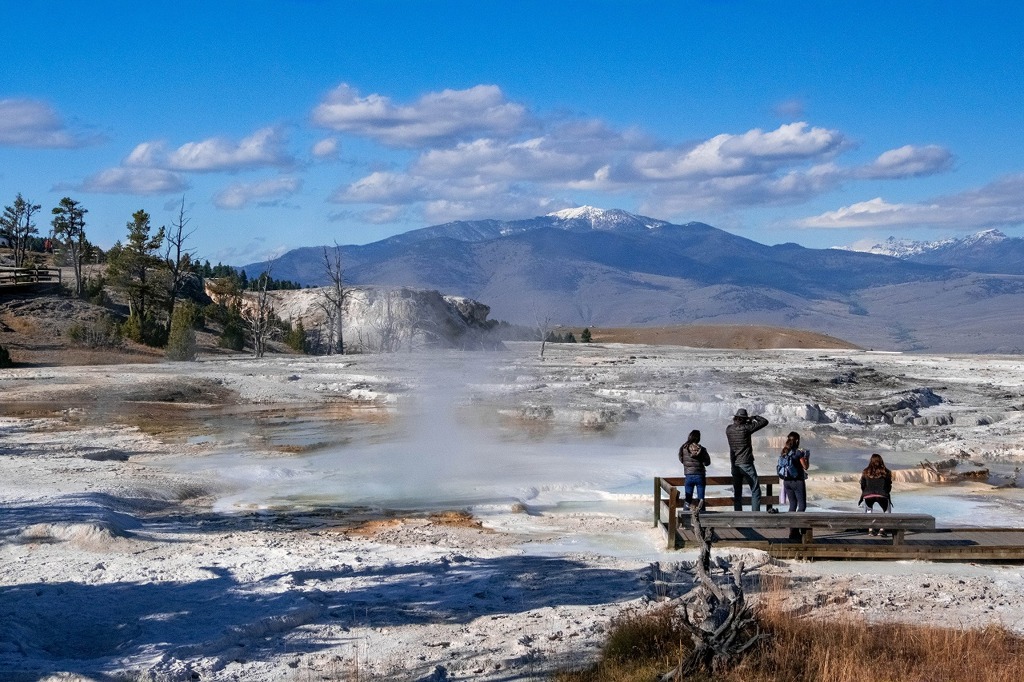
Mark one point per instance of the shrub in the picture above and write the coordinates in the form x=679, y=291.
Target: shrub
x=146, y=331
x=181, y=342
x=103, y=333
x=296, y=338
x=233, y=336
x=5, y=358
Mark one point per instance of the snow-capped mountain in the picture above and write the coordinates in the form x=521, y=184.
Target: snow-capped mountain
x=580, y=219
x=986, y=251
x=615, y=220
x=607, y=267
x=907, y=248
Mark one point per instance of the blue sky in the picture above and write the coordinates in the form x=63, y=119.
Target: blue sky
x=305, y=122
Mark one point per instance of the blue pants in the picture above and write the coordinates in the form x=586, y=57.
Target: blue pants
x=796, y=493
x=748, y=472
x=697, y=481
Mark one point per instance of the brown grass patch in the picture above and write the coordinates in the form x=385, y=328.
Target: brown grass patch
x=734, y=336
x=805, y=650
x=368, y=529
x=458, y=519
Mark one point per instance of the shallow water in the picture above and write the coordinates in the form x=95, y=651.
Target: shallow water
x=305, y=458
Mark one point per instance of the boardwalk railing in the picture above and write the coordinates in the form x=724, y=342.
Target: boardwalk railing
x=672, y=503
x=18, y=277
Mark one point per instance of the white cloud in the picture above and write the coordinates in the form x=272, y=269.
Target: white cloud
x=327, y=148
x=908, y=161
x=448, y=115
x=142, y=181
x=32, y=123
x=752, y=152
x=382, y=187
x=241, y=194
x=264, y=148
x=483, y=156
x=1000, y=203
x=383, y=215
x=506, y=206
x=791, y=108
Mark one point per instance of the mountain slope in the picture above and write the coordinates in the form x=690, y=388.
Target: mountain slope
x=611, y=268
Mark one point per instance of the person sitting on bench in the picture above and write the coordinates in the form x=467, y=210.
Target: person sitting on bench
x=876, y=486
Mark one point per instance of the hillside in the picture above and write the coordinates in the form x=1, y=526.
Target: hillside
x=610, y=268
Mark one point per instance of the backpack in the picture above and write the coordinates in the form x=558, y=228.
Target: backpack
x=787, y=469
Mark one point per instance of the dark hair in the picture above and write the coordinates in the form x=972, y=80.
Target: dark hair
x=694, y=437
x=793, y=436
x=876, y=467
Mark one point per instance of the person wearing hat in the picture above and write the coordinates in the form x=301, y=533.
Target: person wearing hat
x=741, y=457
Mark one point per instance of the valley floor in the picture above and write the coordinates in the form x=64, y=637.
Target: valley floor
x=451, y=516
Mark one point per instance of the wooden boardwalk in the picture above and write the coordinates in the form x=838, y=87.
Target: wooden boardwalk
x=931, y=544
x=941, y=544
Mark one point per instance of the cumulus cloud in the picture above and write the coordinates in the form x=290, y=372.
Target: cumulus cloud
x=32, y=123
x=327, y=148
x=448, y=115
x=264, y=148
x=755, y=151
x=480, y=155
x=908, y=161
x=1000, y=203
x=265, y=192
x=142, y=181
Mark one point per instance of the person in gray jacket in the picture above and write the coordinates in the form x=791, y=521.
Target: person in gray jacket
x=741, y=457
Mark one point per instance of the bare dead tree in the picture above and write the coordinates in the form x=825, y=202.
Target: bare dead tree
x=721, y=624
x=258, y=313
x=328, y=327
x=387, y=325
x=336, y=294
x=177, y=258
x=544, y=327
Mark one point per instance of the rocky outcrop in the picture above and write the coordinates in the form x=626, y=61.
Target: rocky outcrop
x=389, y=319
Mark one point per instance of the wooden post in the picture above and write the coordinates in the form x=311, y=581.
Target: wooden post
x=657, y=501
x=673, y=516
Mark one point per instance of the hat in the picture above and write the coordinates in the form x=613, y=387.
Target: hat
x=741, y=413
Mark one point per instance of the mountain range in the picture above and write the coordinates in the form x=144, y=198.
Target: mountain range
x=595, y=267
x=987, y=251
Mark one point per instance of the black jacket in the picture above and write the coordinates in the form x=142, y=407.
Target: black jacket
x=694, y=458
x=738, y=434
x=881, y=486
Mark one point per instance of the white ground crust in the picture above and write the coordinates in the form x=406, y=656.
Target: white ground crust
x=134, y=552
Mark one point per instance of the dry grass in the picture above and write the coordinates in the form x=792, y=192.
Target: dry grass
x=804, y=650
x=738, y=336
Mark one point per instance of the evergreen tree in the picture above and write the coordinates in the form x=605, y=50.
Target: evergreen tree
x=133, y=269
x=585, y=335
x=296, y=338
x=69, y=229
x=17, y=225
x=181, y=342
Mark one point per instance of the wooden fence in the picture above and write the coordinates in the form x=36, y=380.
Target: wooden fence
x=20, y=277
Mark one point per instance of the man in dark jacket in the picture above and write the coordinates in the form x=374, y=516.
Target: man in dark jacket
x=741, y=456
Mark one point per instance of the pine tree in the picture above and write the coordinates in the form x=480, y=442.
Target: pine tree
x=181, y=342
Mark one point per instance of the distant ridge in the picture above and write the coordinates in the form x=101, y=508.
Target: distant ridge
x=986, y=251
x=611, y=268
